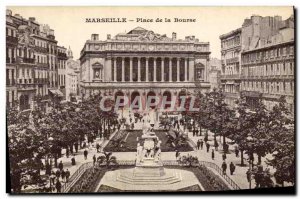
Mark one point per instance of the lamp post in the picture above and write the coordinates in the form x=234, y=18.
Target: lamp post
x=250, y=142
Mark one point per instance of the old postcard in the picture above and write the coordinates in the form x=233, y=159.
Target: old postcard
x=150, y=99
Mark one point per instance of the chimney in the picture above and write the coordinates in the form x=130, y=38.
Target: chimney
x=108, y=36
x=174, y=36
x=31, y=18
x=95, y=37
x=193, y=37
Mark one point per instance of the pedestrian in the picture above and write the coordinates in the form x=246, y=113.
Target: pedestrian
x=236, y=150
x=73, y=162
x=48, y=169
x=201, y=144
x=248, y=173
x=224, y=167
x=97, y=147
x=52, y=178
x=85, y=153
x=94, y=159
x=177, y=154
x=198, y=144
x=57, y=174
x=212, y=154
x=76, y=147
x=197, y=132
x=58, y=186
x=216, y=145
x=194, y=132
x=207, y=147
x=206, y=138
x=232, y=168
x=60, y=166
x=67, y=175
x=130, y=119
x=63, y=175
x=224, y=156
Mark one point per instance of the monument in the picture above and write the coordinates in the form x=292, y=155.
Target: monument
x=149, y=172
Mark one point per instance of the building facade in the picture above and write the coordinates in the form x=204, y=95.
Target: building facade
x=72, y=76
x=256, y=34
x=268, y=71
x=31, y=61
x=61, y=68
x=143, y=63
x=231, y=46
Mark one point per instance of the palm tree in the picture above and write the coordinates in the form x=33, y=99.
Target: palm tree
x=176, y=141
x=107, y=158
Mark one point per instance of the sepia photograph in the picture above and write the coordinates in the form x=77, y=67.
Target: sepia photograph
x=150, y=99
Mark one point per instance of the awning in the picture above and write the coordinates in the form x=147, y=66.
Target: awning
x=56, y=92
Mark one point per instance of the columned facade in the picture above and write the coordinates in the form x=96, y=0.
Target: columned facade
x=143, y=64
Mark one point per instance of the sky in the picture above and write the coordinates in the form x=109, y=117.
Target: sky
x=71, y=29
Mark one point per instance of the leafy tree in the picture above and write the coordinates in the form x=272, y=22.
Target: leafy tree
x=107, y=158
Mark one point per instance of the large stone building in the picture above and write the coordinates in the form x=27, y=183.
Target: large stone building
x=143, y=63
x=255, y=33
x=61, y=71
x=268, y=70
x=31, y=61
x=230, y=71
x=72, y=76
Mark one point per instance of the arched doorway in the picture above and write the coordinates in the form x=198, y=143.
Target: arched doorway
x=152, y=94
x=135, y=100
x=167, y=96
x=181, y=94
x=120, y=94
x=24, y=102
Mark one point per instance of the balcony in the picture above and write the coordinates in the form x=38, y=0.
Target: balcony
x=41, y=49
x=232, y=60
x=233, y=76
x=27, y=60
x=12, y=40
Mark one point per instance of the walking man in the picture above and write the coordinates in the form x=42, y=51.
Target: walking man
x=201, y=144
x=94, y=159
x=60, y=166
x=232, y=168
x=224, y=167
x=207, y=147
x=198, y=144
x=177, y=154
x=97, y=147
x=67, y=175
x=85, y=153
x=212, y=154
x=58, y=186
x=236, y=150
x=63, y=175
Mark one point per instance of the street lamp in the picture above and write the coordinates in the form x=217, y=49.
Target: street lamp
x=250, y=141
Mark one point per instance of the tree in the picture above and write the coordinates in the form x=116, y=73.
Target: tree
x=176, y=139
x=283, y=140
x=107, y=158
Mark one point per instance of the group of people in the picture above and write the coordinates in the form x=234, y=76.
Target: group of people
x=64, y=175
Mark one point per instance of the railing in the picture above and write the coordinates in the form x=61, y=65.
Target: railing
x=75, y=176
x=206, y=164
x=216, y=168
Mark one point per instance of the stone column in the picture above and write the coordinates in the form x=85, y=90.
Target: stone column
x=147, y=67
x=115, y=69
x=185, y=70
x=191, y=69
x=139, y=69
x=130, y=75
x=170, y=69
x=123, y=69
x=154, y=69
x=178, y=62
x=162, y=69
x=107, y=70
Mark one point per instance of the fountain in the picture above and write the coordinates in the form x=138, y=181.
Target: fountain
x=149, y=173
